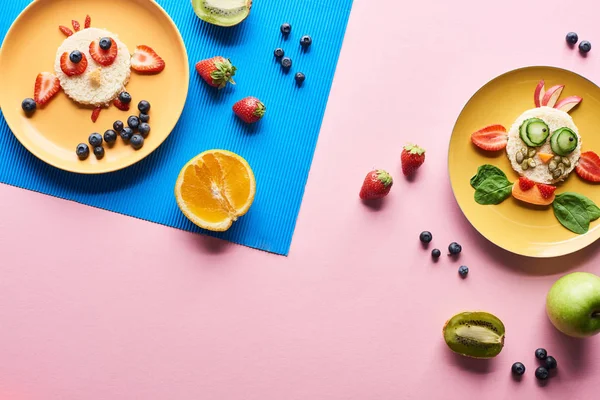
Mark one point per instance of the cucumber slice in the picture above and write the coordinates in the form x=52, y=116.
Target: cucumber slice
x=534, y=132
x=523, y=134
x=563, y=141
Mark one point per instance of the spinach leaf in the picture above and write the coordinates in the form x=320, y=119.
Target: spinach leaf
x=493, y=190
x=572, y=212
x=592, y=209
x=484, y=172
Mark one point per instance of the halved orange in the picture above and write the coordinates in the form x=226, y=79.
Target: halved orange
x=215, y=188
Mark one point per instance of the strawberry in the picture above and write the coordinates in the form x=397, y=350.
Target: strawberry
x=145, y=60
x=96, y=113
x=216, y=71
x=65, y=30
x=546, y=191
x=525, y=183
x=120, y=105
x=490, y=138
x=249, y=109
x=104, y=57
x=377, y=185
x=76, y=25
x=88, y=22
x=70, y=68
x=412, y=158
x=588, y=167
x=46, y=86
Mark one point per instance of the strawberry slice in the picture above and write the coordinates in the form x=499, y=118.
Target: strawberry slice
x=120, y=105
x=76, y=26
x=547, y=191
x=46, y=86
x=146, y=60
x=88, y=22
x=104, y=57
x=65, y=30
x=96, y=113
x=490, y=138
x=588, y=167
x=70, y=68
x=525, y=183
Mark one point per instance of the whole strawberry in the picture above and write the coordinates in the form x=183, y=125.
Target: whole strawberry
x=249, y=109
x=412, y=158
x=377, y=185
x=216, y=71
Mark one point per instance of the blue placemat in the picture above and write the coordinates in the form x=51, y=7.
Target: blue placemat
x=280, y=149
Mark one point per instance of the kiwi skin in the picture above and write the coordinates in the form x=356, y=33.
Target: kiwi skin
x=470, y=347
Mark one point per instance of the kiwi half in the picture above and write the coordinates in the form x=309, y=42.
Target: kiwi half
x=222, y=12
x=475, y=334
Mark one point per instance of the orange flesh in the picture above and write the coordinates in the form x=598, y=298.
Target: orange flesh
x=531, y=196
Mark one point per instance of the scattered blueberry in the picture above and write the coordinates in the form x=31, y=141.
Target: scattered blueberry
x=105, y=43
x=126, y=133
x=75, y=56
x=585, y=46
x=551, y=362
x=436, y=253
x=425, y=237
x=541, y=354
x=518, y=369
x=82, y=151
x=95, y=139
x=286, y=62
x=286, y=28
x=144, y=117
x=99, y=152
x=144, y=129
x=541, y=373
x=305, y=41
x=572, y=38
x=300, y=77
x=118, y=126
x=29, y=105
x=137, y=141
x=463, y=271
x=144, y=106
x=279, y=52
x=125, y=97
x=454, y=248
x=133, y=122
x=110, y=136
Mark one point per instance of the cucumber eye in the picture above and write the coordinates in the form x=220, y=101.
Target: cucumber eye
x=563, y=141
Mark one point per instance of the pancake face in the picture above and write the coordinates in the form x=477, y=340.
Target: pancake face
x=543, y=171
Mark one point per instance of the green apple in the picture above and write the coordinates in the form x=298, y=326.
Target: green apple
x=573, y=304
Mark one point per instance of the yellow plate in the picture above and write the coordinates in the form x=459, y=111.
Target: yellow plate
x=53, y=132
x=513, y=225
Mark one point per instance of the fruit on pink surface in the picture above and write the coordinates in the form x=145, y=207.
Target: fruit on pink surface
x=538, y=95
x=377, y=185
x=412, y=158
x=568, y=103
x=551, y=96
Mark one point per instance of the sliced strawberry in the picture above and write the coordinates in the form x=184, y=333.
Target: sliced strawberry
x=96, y=113
x=88, y=22
x=76, y=25
x=525, y=183
x=547, y=191
x=104, y=57
x=146, y=60
x=65, y=30
x=120, y=105
x=46, y=86
x=588, y=167
x=70, y=68
x=490, y=138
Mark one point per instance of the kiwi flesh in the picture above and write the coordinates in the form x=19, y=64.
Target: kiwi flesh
x=222, y=12
x=475, y=334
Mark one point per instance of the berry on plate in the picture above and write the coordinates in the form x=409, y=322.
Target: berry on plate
x=88, y=22
x=120, y=105
x=70, y=68
x=144, y=129
x=145, y=60
x=99, y=152
x=28, y=105
x=76, y=25
x=547, y=191
x=412, y=158
x=588, y=167
x=490, y=138
x=137, y=141
x=144, y=107
x=102, y=56
x=96, y=113
x=377, y=185
x=216, y=71
x=525, y=183
x=82, y=151
x=46, y=86
x=65, y=30
x=249, y=109
x=125, y=97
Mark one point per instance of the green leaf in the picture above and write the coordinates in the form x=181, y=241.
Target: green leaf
x=484, y=172
x=493, y=190
x=572, y=212
x=592, y=209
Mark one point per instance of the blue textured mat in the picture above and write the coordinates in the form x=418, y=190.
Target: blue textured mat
x=280, y=150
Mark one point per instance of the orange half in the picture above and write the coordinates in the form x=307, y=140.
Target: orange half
x=215, y=188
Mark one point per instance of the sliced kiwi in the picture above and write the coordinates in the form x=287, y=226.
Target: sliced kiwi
x=222, y=12
x=475, y=334
x=534, y=132
x=563, y=141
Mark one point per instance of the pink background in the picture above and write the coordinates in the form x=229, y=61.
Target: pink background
x=94, y=305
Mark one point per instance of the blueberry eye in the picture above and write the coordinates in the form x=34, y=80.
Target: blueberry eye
x=75, y=57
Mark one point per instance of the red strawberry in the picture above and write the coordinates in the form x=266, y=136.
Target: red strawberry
x=88, y=22
x=70, y=68
x=120, y=105
x=546, y=191
x=490, y=138
x=216, y=71
x=96, y=113
x=377, y=184
x=76, y=25
x=104, y=57
x=46, y=86
x=588, y=167
x=65, y=30
x=412, y=158
x=525, y=183
x=249, y=109
x=145, y=60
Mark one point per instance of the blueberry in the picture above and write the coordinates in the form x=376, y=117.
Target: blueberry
x=125, y=97
x=454, y=248
x=118, y=126
x=126, y=133
x=585, y=46
x=425, y=237
x=110, y=136
x=144, y=117
x=75, y=56
x=137, y=141
x=133, y=122
x=286, y=28
x=436, y=253
x=541, y=373
x=99, y=152
x=28, y=105
x=279, y=52
x=82, y=151
x=286, y=62
x=144, y=106
x=463, y=271
x=305, y=41
x=541, y=354
x=105, y=43
x=144, y=129
x=300, y=77
x=551, y=362
x=518, y=369
x=95, y=139
x=572, y=38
